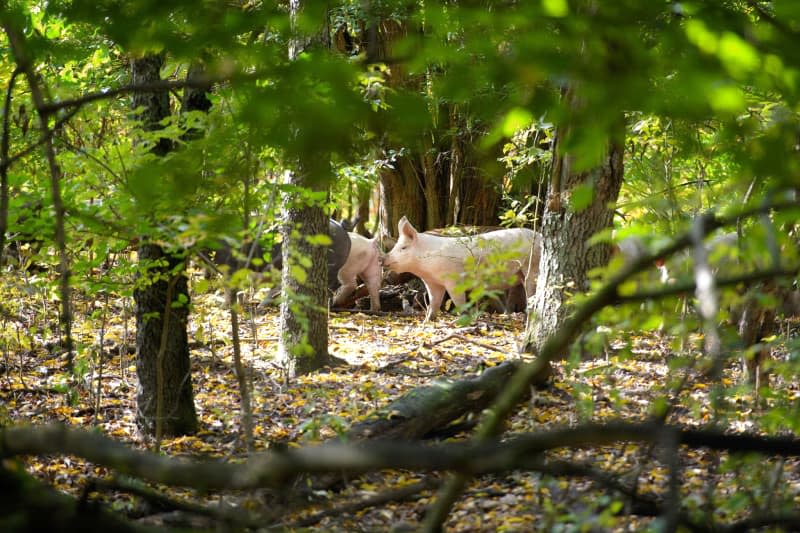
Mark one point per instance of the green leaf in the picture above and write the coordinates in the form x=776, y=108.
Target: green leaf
x=201, y=286
x=727, y=99
x=699, y=35
x=299, y=273
x=515, y=120
x=555, y=8
x=581, y=197
x=738, y=56
x=319, y=240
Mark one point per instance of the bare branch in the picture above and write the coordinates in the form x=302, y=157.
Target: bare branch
x=234, y=517
x=400, y=494
x=688, y=287
x=275, y=469
x=4, y=164
x=149, y=87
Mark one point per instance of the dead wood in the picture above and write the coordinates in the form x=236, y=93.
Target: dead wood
x=433, y=407
x=462, y=338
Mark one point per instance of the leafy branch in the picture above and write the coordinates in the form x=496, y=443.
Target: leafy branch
x=530, y=373
x=25, y=65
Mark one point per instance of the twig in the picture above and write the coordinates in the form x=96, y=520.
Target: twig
x=401, y=494
x=238, y=517
x=463, y=339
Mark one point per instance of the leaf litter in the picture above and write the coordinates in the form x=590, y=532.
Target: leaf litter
x=388, y=356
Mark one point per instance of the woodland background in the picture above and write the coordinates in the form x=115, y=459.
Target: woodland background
x=144, y=389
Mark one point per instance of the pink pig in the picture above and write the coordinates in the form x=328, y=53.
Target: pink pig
x=363, y=262
x=440, y=261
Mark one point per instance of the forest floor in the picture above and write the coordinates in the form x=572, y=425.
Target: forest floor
x=389, y=355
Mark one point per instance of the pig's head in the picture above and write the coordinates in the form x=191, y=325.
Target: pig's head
x=403, y=256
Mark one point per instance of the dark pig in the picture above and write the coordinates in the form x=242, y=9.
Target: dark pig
x=338, y=252
x=363, y=262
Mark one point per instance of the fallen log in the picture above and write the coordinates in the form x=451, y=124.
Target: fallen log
x=432, y=408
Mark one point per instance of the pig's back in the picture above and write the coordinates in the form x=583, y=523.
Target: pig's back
x=525, y=242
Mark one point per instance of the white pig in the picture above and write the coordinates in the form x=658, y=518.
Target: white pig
x=363, y=262
x=440, y=261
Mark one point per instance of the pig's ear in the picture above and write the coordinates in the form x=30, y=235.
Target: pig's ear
x=404, y=227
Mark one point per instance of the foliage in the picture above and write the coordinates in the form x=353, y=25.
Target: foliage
x=710, y=93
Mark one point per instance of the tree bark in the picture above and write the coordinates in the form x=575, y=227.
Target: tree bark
x=439, y=177
x=566, y=255
x=165, y=400
x=479, y=190
x=303, y=344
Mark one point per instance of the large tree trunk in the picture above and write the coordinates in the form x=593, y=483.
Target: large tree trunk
x=566, y=256
x=443, y=180
x=165, y=401
x=440, y=177
x=476, y=183
x=401, y=195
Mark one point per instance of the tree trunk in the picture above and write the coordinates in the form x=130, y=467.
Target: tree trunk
x=401, y=195
x=479, y=189
x=439, y=178
x=162, y=347
x=303, y=345
x=304, y=313
x=566, y=256
x=442, y=181
x=165, y=401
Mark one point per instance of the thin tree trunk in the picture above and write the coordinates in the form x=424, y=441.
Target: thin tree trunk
x=304, y=312
x=232, y=295
x=4, y=163
x=303, y=345
x=18, y=47
x=165, y=400
x=566, y=255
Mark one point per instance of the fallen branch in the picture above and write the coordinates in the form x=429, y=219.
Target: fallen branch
x=234, y=517
x=277, y=469
x=400, y=494
x=433, y=407
x=464, y=339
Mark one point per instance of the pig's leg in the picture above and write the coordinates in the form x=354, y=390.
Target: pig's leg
x=349, y=285
x=435, y=295
x=372, y=277
x=459, y=297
